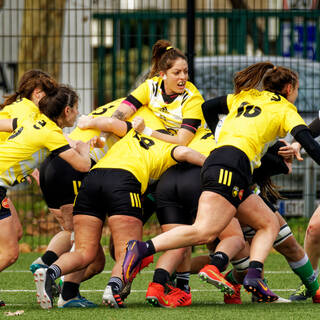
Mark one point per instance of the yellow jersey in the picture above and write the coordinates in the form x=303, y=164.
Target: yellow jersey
x=203, y=141
x=21, y=109
x=85, y=135
x=27, y=146
x=255, y=120
x=145, y=157
x=185, y=106
x=107, y=110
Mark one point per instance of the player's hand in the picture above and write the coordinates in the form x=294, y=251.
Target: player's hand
x=287, y=152
x=97, y=142
x=295, y=147
x=36, y=176
x=84, y=122
x=82, y=147
x=138, y=124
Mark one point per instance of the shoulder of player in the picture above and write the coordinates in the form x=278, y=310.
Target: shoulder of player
x=192, y=89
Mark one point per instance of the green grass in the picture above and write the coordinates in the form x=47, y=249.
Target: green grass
x=18, y=291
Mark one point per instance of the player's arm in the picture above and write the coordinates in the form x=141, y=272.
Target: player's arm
x=273, y=164
x=183, y=136
x=78, y=157
x=123, y=112
x=104, y=124
x=302, y=135
x=314, y=127
x=185, y=154
x=8, y=125
x=211, y=110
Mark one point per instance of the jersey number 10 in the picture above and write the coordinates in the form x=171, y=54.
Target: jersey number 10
x=248, y=110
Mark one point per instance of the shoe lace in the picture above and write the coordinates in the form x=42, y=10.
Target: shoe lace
x=302, y=290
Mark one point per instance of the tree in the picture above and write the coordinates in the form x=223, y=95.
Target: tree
x=41, y=36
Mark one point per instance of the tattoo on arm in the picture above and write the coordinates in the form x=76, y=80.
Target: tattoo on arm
x=119, y=115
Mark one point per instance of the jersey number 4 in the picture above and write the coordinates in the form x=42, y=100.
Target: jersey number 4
x=248, y=110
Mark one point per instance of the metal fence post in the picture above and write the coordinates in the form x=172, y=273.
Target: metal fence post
x=309, y=195
x=190, y=37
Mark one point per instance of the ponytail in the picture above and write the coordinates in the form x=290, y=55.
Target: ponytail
x=251, y=76
x=163, y=56
x=266, y=76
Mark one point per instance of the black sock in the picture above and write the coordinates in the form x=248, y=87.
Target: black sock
x=161, y=276
x=49, y=257
x=54, y=272
x=150, y=248
x=70, y=290
x=116, y=284
x=183, y=281
x=255, y=269
x=220, y=260
x=256, y=265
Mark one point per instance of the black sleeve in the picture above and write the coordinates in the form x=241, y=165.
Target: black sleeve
x=311, y=146
x=314, y=127
x=191, y=124
x=275, y=148
x=211, y=110
x=14, y=123
x=271, y=165
x=56, y=152
x=129, y=126
x=134, y=101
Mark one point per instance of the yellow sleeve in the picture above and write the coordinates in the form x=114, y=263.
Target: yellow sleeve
x=142, y=93
x=5, y=113
x=192, y=107
x=55, y=140
x=292, y=119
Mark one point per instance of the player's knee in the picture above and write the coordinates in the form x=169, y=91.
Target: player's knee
x=271, y=223
x=10, y=256
x=313, y=231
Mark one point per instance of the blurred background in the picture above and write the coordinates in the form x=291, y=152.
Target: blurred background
x=103, y=48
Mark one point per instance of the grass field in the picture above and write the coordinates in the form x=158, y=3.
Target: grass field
x=18, y=291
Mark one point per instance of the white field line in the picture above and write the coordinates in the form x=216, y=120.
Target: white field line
x=140, y=291
x=150, y=271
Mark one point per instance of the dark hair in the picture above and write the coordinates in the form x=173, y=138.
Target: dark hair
x=31, y=80
x=273, y=78
x=163, y=56
x=53, y=105
x=268, y=189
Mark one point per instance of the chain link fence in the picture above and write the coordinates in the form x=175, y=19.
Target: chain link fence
x=103, y=48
